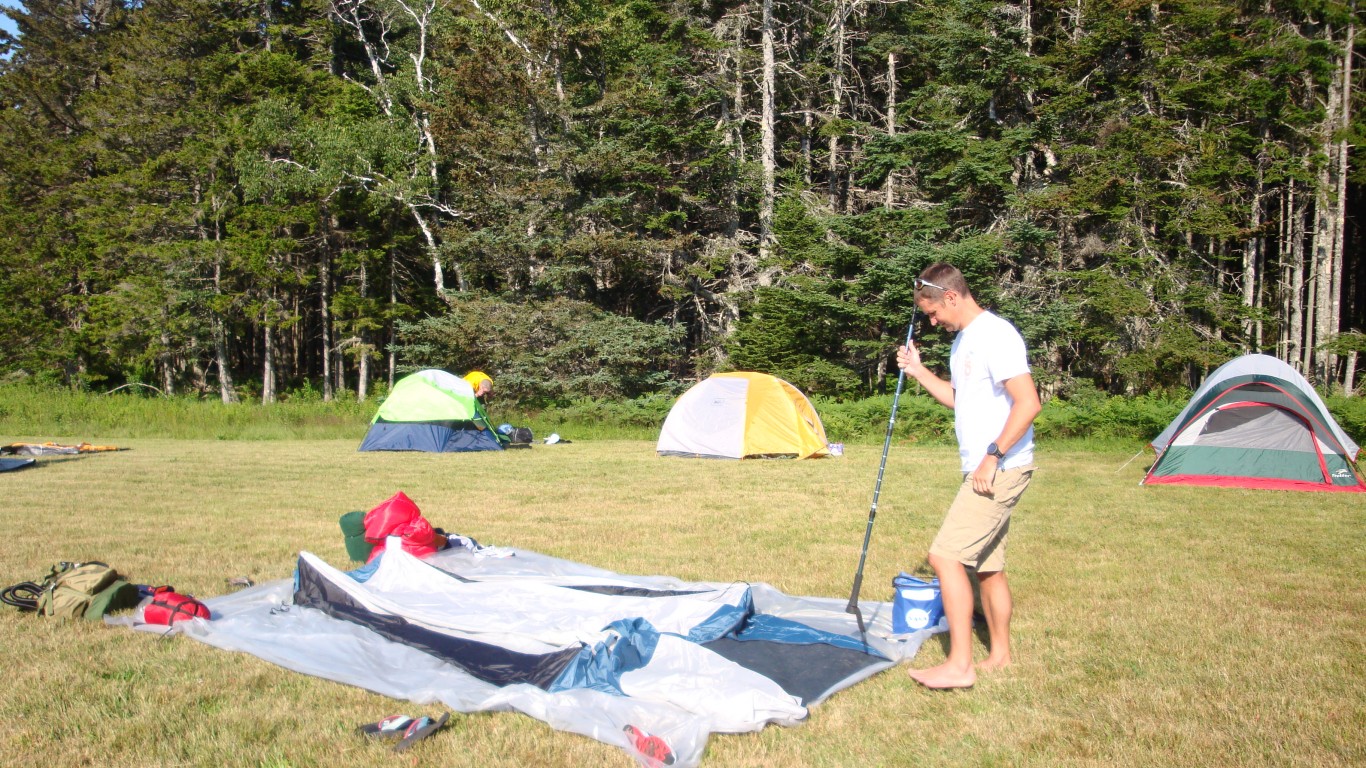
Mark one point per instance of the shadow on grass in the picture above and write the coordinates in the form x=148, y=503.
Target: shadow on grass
x=979, y=630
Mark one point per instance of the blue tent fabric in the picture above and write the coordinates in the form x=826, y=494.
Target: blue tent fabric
x=600, y=667
x=8, y=464
x=611, y=656
x=434, y=437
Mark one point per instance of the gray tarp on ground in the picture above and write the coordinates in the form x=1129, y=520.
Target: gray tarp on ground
x=632, y=655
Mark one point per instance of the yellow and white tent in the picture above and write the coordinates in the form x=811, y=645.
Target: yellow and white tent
x=743, y=415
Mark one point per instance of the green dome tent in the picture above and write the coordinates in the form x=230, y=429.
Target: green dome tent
x=431, y=410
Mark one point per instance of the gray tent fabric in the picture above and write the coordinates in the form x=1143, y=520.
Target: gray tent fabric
x=648, y=663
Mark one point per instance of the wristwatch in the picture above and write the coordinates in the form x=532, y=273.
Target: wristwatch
x=995, y=450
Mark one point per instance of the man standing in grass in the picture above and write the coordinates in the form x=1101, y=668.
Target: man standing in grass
x=994, y=403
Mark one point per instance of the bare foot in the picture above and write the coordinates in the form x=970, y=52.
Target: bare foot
x=991, y=664
x=944, y=677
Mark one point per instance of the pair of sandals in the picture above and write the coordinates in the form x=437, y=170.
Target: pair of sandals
x=407, y=730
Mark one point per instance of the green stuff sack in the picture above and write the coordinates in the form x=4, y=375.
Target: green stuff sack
x=353, y=529
x=85, y=590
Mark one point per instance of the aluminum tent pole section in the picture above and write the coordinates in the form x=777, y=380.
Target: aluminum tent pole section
x=877, y=488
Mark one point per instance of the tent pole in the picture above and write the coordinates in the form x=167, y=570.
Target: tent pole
x=877, y=488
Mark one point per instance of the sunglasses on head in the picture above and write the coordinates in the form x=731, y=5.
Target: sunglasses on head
x=927, y=284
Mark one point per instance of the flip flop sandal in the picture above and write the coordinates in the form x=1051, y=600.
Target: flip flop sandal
x=421, y=729
x=391, y=727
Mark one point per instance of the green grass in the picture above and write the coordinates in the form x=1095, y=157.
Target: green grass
x=1093, y=418
x=42, y=411
x=1154, y=626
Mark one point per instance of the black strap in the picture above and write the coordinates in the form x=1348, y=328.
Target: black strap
x=23, y=595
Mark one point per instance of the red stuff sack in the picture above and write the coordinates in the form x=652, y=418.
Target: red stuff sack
x=399, y=516
x=168, y=607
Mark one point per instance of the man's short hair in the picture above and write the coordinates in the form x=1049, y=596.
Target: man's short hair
x=940, y=277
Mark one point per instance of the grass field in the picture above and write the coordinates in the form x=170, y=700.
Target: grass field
x=1154, y=626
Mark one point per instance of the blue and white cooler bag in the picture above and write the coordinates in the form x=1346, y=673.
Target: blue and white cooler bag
x=916, y=604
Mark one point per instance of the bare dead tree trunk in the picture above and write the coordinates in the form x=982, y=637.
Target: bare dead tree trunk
x=217, y=326
x=325, y=303
x=226, y=391
x=294, y=362
x=738, y=122
x=167, y=362
x=363, y=375
x=393, y=329
x=1325, y=232
x=889, y=185
x=1286, y=345
x=1340, y=188
x=267, y=18
x=732, y=112
x=363, y=361
x=1252, y=258
x=768, y=140
x=839, y=15
x=1299, y=328
x=808, y=131
x=1311, y=285
x=267, y=363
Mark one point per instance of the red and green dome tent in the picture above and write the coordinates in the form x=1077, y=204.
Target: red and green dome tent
x=1256, y=423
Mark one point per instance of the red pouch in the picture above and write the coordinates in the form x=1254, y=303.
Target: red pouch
x=168, y=607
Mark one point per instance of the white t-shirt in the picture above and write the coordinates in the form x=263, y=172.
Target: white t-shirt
x=985, y=354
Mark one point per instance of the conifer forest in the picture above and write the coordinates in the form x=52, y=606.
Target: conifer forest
x=243, y=199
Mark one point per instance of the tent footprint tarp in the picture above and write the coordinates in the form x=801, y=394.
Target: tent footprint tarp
x=647, y=663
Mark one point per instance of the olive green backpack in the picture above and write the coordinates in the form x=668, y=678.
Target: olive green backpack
x=75, y=590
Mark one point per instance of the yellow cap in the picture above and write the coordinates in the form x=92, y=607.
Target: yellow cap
x=475, y=378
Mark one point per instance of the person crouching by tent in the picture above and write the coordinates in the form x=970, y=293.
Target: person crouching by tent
x=482, y=384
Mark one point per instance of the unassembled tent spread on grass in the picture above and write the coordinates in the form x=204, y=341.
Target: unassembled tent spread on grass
x=45, y=449
x=651, y=664
x=1256, y=423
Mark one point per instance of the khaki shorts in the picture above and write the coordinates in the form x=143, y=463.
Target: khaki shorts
x=975, y=528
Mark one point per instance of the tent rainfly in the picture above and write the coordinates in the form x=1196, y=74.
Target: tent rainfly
x=1256, y=423
x=742, y=415
x=431, y=410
